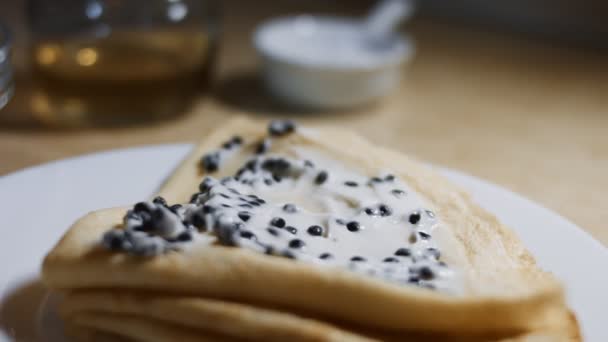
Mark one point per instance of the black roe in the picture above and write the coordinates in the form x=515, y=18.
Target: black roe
x=244, y=215
x=296, y=243
x=370, y=211
x=210, y=162
x=403, y=252
x=385, y=210
x=353, y=226
x=278, y=222
x=245, y=234
x=397, y=192
x=414, y=218
x=290, y=208
x=426, y=273
x=424, y=235
x=321, y=177
x=325, y=256
x=315, y=230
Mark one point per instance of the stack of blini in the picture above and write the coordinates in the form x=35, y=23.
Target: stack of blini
x=211, y=277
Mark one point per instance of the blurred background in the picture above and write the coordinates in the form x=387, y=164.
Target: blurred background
x=515, y=92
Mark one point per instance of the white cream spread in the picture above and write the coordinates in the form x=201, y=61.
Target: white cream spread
x=308, y=207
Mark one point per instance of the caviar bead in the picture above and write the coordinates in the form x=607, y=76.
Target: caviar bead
x=403, y=252
x=290, y=208
x=397, y=192
x=325, y=256
x=315, y=230
x=292, y=230
x=357, y=258
x=389, y=178
x=384, y=210
x=414, y=218
x=426, y=273
x=245, y=234
x=244, y=215
x=278, y=222
x=273, y=231
x=211, y=162
x=353, y=226
x=390, y=259
x=424, y=235
x=321, y=177
x=296, y=243
x=351, y=183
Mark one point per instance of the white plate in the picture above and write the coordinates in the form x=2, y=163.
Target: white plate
x=39, y=203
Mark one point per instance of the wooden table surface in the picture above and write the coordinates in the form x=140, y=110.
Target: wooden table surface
x=525, y=115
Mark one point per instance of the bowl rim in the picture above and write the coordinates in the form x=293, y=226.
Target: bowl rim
x=381, y=63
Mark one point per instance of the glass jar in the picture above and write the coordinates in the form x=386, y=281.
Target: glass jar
x=115, y=62
x=6, y=69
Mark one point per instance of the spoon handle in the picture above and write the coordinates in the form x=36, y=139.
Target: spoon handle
x=386, y=15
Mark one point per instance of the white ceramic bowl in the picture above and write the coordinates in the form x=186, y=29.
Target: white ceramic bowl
x=326, y=62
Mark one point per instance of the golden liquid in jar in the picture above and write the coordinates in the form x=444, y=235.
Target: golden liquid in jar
x=125, y=77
